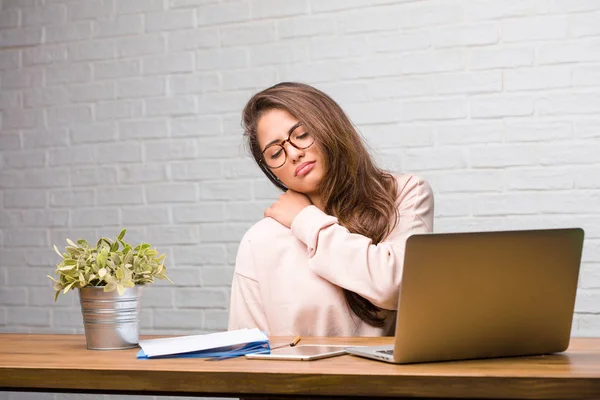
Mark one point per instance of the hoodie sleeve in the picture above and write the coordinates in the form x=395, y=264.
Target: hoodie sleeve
x=352, y=261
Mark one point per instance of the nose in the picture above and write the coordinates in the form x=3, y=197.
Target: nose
x=294, y=154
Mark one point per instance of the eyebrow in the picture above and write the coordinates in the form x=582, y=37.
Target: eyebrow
x=289, y=133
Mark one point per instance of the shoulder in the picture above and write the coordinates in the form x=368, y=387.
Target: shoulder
x=411, y=187
x=266, y=234
x=265, y=231
x=408, y=183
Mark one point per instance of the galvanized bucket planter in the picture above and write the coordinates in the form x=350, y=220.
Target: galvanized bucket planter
x=111, y=321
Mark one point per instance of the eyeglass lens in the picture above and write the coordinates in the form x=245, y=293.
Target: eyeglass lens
x=275, y=155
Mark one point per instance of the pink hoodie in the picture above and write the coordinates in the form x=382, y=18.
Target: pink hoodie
x=289, y=282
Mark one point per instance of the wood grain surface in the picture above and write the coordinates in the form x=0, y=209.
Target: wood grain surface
x=61, y=363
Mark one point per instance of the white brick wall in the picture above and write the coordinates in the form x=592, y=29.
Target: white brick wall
x=126, y=113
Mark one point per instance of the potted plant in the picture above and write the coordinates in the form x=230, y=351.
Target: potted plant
x=108, y=277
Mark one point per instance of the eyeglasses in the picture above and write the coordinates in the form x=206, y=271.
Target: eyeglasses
x=274, y=156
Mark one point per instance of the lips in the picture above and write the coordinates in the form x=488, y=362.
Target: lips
x=304, y=168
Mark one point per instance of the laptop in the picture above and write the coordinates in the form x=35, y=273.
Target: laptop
x=484, y=294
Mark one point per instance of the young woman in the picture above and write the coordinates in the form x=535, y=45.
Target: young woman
x=327, y=258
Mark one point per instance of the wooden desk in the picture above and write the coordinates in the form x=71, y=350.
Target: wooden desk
x=61, y=363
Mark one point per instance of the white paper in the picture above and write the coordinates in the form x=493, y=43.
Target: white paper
x=186, y=344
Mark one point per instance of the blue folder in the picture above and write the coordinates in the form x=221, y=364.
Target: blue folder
x=218, y=345
x=220, y=353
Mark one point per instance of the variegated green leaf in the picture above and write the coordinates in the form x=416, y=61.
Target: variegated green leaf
x=128, y=283
x=58, y=252
x=102, y=257
x=110, y=288
x=66, y=289
x=73, y=251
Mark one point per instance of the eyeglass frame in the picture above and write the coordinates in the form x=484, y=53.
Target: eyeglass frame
x=281, y=144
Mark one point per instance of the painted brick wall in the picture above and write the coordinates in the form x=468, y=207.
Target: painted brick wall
x=126, y=114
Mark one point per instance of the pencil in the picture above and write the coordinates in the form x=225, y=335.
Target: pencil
x=291, y=344
x=295, y=341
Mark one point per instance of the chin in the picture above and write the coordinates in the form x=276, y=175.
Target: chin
x=306, y=186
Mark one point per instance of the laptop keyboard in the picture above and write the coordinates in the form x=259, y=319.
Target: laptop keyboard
x=389, y=352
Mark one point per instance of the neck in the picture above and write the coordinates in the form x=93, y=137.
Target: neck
x=317, y=201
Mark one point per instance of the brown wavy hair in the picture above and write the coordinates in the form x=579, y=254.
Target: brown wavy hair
x=353, y=189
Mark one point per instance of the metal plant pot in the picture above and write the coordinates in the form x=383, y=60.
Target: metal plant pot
x=111, y=321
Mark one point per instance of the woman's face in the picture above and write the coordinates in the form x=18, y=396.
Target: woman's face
x=302, y=169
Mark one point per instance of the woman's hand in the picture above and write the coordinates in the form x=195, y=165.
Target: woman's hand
x=285, y=209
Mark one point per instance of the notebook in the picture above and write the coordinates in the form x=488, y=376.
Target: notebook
x=213, y=345
x=486, y=294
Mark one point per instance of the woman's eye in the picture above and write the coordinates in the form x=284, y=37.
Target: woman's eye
x=276, y=154
x=302, y=136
